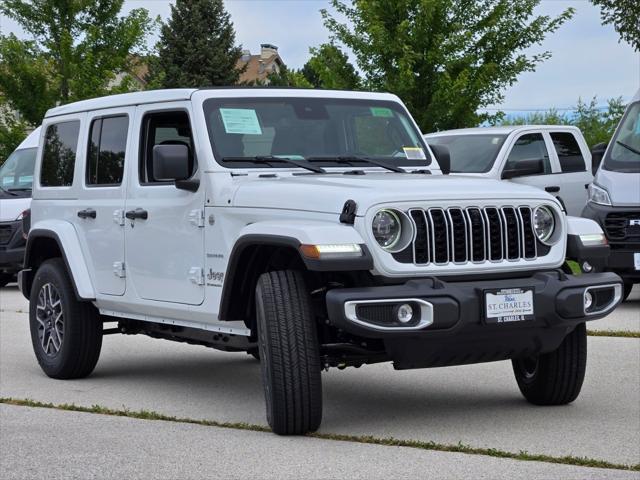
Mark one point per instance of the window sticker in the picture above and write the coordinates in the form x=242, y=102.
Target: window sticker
x=414, y=153
x=25, y=179
x=7, y=181
x=381, y=112
x=240, y=120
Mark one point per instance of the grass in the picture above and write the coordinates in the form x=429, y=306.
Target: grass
x=371, y=440
x=613, y=333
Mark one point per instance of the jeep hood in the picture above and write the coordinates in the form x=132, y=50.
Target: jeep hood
x=328, y=193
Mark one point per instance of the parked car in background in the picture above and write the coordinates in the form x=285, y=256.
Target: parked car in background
x=614, y=196
x=551, y=157
x=16, y=178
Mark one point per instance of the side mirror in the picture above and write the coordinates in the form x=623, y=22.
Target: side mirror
x=443, y=157
x=171, y=162
x=597, y=152
x=524, y=168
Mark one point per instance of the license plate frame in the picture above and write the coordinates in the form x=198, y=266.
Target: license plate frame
x=509, y=305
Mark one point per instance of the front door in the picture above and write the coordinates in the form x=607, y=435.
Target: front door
x=164, y=229
x=100, y=205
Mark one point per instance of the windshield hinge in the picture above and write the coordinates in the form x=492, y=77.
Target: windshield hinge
x=196, y=275
x=196, y=217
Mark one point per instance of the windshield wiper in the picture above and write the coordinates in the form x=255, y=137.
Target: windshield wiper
x=269, y=159
x=8, y=192
x=628, y=147
x=351, y=159
x=20, y=189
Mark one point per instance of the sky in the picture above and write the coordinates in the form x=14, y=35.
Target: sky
x=587, y=59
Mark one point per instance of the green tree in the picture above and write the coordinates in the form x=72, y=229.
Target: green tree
x=77, y=49
x=597, y=124
x=445, y=58
x=624, y=15
x=287, y=78
x=12, y=131
x=197, y=47
x=329, y=67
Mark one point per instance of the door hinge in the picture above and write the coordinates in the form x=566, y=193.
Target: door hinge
x=119, y=269
x=118, y=217
x=196, y=275
x=196, y=217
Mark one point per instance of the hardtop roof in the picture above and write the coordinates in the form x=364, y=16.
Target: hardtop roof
x=182, y=94
x=502, y=130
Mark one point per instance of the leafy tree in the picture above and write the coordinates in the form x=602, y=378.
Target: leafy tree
x=197, y=46
x=624, y=15
x=329, y=67
x=445, y=58
x=597, y=125
x=287, y=78
x=12, y=131
x=77, y=49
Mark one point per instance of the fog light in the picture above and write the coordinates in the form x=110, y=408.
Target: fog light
x=588, y=300
x=587, y=267
x=404, y=313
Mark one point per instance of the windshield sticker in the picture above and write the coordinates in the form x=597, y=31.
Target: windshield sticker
x=26, y=179
x=414, y=153
x=7, y=180
x=240, y=120
x=381, y=112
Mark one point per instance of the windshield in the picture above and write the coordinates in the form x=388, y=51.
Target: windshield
x=470, y=153
x=17, y=172
x=260, y=130
x=623, y=154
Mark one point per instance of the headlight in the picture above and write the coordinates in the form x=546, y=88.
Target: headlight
x=544, y=223
x=387, y=228
x=598, y=195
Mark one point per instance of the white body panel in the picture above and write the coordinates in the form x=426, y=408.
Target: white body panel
x=572, y=186
x=160, y=253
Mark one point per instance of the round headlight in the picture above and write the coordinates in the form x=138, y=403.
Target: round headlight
x=386, y=227
x=544, y=223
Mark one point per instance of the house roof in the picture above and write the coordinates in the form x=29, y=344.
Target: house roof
x=253, y=65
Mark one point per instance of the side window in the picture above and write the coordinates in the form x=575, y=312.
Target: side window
x=568, y=150
x=107, y=147
x=163, y=128
x=529, y=147
x=59, y=156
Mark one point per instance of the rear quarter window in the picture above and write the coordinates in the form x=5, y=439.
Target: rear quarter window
x=59, y=155
x=568, y=150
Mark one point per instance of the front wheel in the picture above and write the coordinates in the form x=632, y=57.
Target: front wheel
x=554, y=378
x=289, y=353
x=66, y=334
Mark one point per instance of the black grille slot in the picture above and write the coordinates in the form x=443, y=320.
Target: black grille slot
x=476, y=223
x=513, y=233
x=459, y=238
x=622, y=226
x=440, y=235
x=529, y=236
x=380, y=314
x=495, y=233
x=421, y=243
x=6, y=232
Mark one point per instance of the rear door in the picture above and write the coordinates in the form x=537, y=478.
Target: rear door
x=575, y=170
x=100, y=207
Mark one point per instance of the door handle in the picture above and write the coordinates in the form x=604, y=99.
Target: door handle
x=553, y=189
x=87, y=213
x=137, y=213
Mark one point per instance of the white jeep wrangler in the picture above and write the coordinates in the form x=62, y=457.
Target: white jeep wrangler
x=312, y=229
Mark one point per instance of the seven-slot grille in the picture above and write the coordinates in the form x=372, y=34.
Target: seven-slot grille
x=471, y=234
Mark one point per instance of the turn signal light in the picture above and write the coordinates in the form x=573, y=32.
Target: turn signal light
x=331, y=251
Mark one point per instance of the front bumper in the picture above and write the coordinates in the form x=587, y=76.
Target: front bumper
x=12, y=246
x=458, y=332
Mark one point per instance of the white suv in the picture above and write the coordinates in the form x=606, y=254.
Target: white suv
x=308, y=228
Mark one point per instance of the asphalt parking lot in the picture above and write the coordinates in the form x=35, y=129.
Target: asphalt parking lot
x=478, y=406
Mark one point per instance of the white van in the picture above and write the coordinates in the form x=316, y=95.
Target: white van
x=16, y=178
x=614, y=196
x=555, y=158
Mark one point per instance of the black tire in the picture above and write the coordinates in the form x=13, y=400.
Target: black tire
x=554, y=378
x=627, y=291
x=255, y=353
x=289, y=353
x=73, y=354
x=5, y=278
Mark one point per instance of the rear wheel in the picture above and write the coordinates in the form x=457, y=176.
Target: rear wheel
x=289, y=353
x=66, y=334
x=554, y=378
